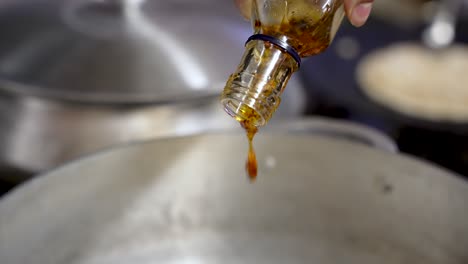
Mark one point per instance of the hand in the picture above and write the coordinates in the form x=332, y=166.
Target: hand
x=357, y=10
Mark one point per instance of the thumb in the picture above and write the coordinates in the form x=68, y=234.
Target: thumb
x=358, y=11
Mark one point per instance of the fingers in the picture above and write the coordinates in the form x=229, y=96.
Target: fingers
x=245, y=7
x=358, y=11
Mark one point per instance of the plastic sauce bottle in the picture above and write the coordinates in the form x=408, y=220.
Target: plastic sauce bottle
x=285, y=31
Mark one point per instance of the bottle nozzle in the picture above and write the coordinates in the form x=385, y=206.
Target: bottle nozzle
x=254, y=91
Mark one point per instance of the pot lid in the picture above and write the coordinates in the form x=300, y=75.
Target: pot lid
x=127, y=51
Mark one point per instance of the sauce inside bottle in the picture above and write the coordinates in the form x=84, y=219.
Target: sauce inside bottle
x=309, y=31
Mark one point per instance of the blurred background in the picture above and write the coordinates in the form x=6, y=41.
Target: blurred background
x=421, y=42
x=79, y=76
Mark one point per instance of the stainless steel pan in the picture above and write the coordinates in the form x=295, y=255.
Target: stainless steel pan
x=187, y=200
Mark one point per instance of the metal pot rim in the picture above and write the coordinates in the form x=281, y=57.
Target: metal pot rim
x=324, y=128
x=20, y=89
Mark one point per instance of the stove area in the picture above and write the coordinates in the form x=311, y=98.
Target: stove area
x=333, y=91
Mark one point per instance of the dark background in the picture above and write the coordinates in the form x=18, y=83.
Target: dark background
x=333, y=92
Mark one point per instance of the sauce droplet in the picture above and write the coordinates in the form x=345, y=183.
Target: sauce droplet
x=251, y=163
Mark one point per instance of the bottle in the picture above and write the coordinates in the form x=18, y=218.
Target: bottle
x=285, y=31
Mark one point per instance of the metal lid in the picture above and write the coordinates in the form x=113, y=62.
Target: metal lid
x=112, y=51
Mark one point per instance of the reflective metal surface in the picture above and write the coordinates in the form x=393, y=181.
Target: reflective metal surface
x=77, y=76
x=441, y=32
x=335, y=129
x=187, y=200
x=38, y=134
x=119, y=51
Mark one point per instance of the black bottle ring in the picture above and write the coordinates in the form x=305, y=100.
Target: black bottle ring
x=280, y=44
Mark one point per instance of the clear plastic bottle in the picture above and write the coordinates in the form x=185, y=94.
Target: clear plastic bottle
x=284, y=32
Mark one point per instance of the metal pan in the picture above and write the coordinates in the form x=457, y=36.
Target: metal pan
x=187, y=200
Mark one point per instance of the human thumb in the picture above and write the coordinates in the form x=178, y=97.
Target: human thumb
x=358, y=11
